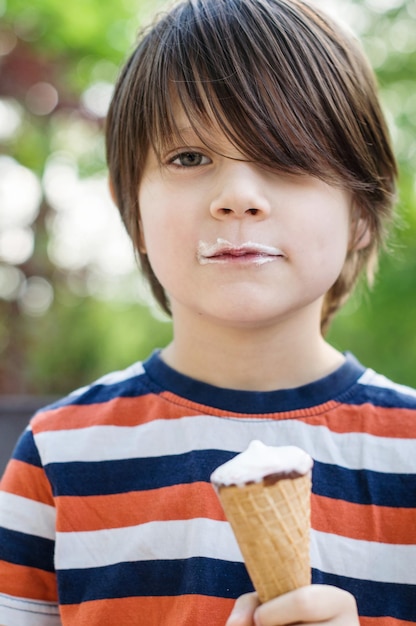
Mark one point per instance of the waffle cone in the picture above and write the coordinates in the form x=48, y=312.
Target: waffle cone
x=272, y=527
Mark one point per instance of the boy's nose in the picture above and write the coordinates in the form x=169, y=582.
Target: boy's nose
x=240, y=192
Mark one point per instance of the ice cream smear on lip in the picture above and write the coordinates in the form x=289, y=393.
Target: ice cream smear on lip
x=222, y=251
x=259, y=461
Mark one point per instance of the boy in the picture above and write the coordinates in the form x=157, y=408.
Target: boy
x=252, y=167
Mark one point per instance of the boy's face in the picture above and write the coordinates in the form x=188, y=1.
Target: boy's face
x=235, y=243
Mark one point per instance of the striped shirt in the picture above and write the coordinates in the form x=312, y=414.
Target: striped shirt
x=107, y=515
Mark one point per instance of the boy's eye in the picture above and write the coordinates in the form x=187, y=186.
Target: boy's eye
x=189, y=159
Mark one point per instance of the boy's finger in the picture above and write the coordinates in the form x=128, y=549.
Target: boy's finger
x=242, y=613
x=311, y=604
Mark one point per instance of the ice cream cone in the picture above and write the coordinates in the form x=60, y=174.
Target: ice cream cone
x=271, y=521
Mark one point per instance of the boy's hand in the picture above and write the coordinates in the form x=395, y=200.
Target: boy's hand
x=314, y=604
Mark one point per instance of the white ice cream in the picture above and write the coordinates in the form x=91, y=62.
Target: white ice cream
x=259, y=461
x=222, y=250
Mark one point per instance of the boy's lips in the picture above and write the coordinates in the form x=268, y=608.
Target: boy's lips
x=223, y=251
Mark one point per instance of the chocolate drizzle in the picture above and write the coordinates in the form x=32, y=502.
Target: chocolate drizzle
x=271, y=479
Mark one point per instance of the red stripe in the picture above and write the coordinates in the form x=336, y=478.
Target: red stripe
x=340, y=418
x=178, y=502
x=283, y=415
x=28, y=481
x=360, y=521
x=365, y=418
x=384, y=621
x=117, y=412
x=146, y=408
x=184, y=610
x=27, y=582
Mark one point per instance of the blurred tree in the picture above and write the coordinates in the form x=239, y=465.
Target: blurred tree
x=379, y=327
x=72, y=305
x=59, y=269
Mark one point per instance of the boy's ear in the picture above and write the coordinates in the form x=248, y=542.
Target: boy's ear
x=360, y=233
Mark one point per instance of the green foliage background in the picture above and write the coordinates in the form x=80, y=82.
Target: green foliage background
x=73, y=45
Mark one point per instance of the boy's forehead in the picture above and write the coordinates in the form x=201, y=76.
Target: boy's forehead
x=182, y=122
x=194, y=127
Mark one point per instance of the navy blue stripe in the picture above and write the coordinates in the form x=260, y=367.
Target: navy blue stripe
x=319, y=392
x=22, y=549
x=375, y=599
x=26, y=450
x=155, y=578
x=378, y=396
x=364, y=486
x=159, y=377
x=133, y=474
x=358, y=486
x=219, y=579
x=341, y=386
x=130, y=388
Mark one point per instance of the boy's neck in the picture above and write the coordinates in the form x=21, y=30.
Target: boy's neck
x=253, y=360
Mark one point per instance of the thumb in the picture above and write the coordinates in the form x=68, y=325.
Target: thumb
x=243, y=611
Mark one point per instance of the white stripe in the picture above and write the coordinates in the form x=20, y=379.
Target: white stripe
x=21, y=612
x=378, y=380
x=365, y=560
x=27, y=516
x=179, y=539
x=183, y=539
x=168, y=437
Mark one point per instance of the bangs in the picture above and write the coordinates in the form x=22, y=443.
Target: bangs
x=274, y=103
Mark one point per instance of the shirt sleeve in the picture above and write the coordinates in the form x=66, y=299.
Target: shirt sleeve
x=28, y=593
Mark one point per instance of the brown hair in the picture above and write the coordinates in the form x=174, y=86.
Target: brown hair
x=291, y=90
